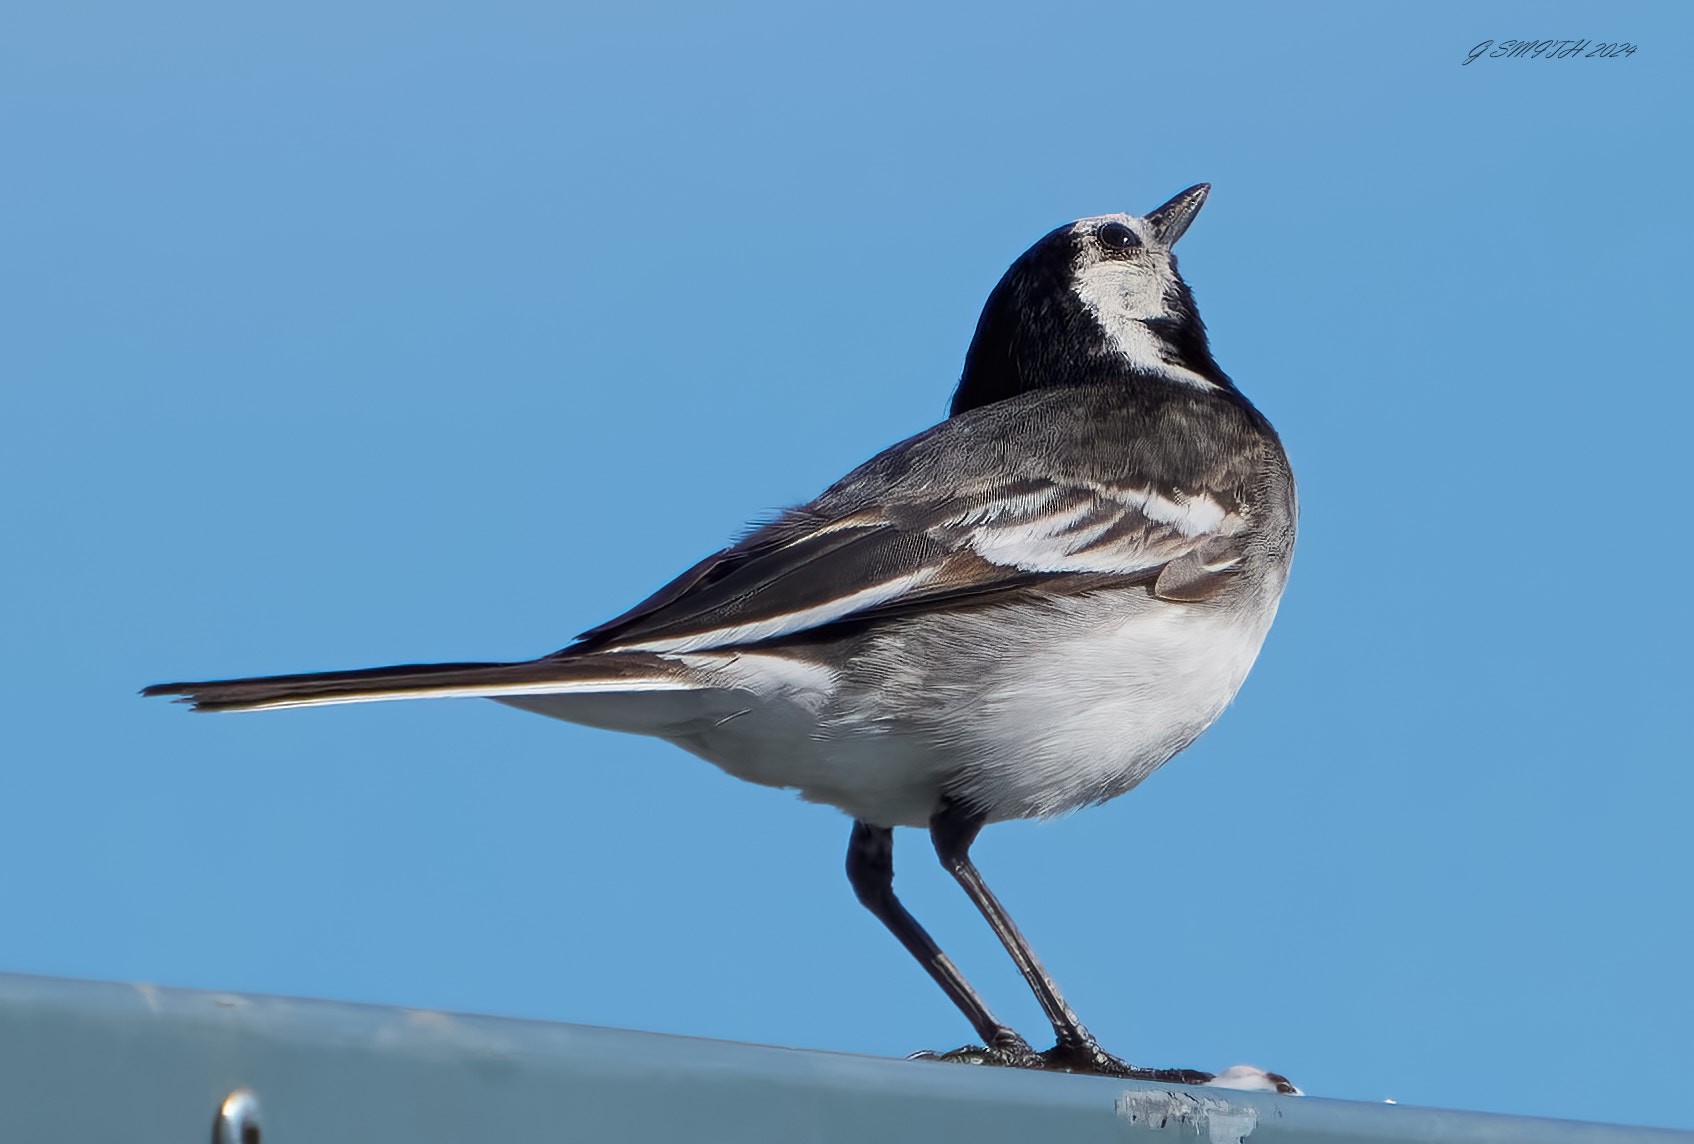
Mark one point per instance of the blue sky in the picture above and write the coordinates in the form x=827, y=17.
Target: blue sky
x=339, y=335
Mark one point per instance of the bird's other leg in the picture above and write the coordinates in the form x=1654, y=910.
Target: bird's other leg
x=953, y=829
x=870, y=869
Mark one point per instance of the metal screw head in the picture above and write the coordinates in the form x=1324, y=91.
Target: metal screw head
x=238, y=1119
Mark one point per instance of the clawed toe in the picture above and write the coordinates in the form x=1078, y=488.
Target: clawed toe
x=1250, y=1078
x=1088, y=1057
x=1007, y=1052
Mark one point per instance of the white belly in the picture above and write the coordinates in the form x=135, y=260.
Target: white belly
x=1096, y=694
x=1087, y=713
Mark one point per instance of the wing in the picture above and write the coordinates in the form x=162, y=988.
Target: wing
x=941, y=521
x=803, y=572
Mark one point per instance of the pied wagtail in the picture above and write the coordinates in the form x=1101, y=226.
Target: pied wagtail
x=1022, y=611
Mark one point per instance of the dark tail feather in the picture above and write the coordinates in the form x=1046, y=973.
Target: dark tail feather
x=606, y=672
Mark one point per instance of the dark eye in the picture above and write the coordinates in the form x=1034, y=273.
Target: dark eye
x=1118, y=238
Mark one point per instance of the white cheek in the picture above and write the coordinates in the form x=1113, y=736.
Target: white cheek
x=1124, y=290
x=1122, y=296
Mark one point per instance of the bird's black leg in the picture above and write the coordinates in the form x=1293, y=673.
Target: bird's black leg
x=953, y=829
x=870, y=868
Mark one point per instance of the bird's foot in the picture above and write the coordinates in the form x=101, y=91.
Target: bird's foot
x=1086, y=1056
x=1008, y=1051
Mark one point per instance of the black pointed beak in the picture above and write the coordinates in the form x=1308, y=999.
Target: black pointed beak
x=1169, y=221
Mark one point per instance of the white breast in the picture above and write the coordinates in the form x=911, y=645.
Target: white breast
x=1087, y=715
x=1026, y=710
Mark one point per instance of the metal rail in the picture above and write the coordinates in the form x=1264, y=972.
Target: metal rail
x=97, y=1061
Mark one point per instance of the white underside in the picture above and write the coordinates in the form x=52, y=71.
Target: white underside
x=1097, y=692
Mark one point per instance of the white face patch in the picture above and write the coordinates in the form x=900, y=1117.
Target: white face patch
x=1123, y=293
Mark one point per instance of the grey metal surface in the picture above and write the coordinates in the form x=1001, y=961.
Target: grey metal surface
x=90, y=1061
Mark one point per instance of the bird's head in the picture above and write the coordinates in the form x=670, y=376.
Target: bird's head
x=1094, y=298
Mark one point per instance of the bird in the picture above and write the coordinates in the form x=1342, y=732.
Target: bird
x=1021, y=611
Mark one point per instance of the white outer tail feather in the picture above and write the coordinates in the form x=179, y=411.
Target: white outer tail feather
x=586, y=687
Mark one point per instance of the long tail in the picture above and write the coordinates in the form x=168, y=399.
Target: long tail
x=606, y=671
